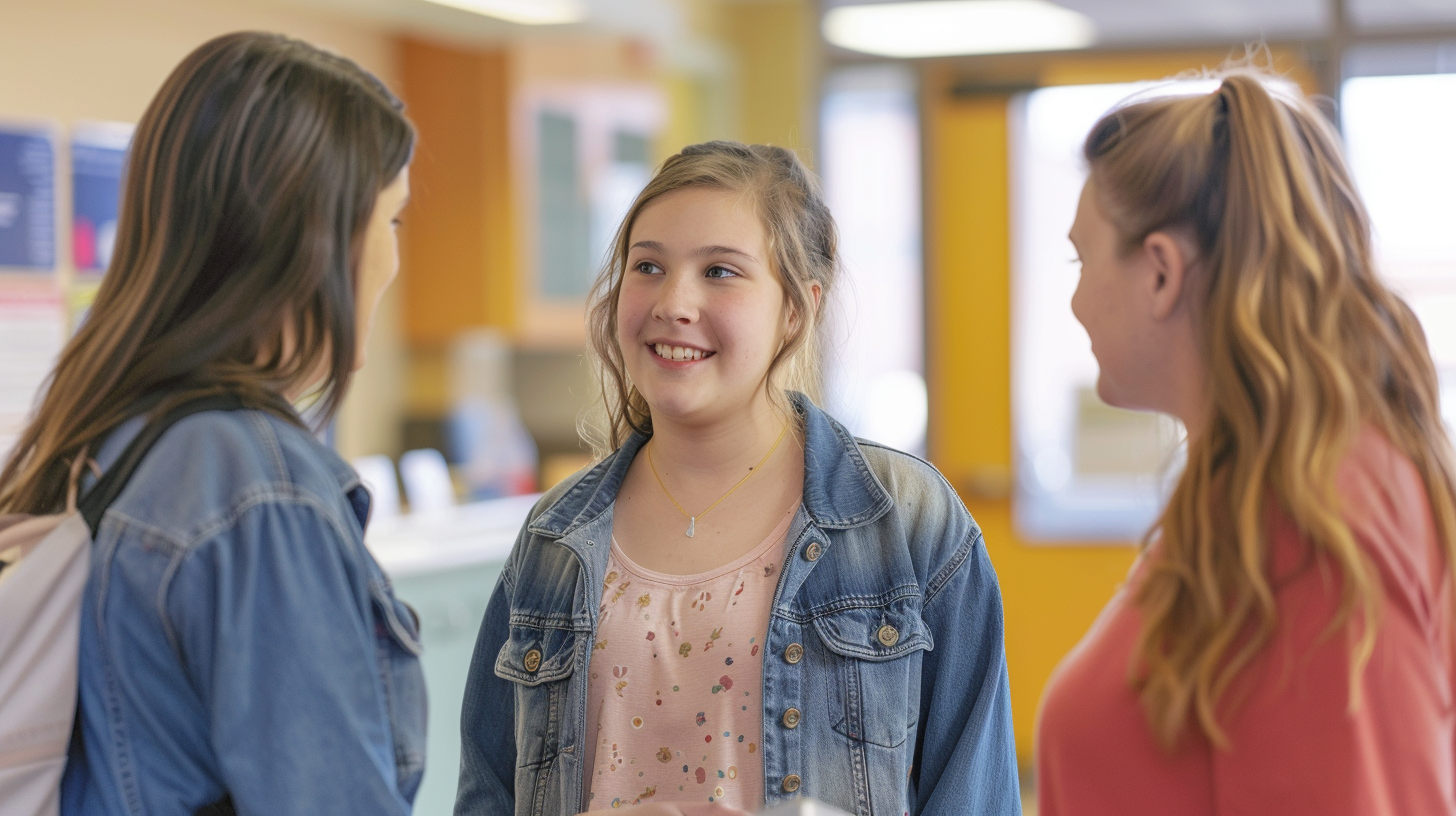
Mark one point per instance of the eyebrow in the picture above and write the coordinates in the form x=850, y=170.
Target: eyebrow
x=701, y=252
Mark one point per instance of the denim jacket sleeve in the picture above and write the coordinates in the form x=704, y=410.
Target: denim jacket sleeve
x=966, y=759
x=274, y=603
x=487, y=722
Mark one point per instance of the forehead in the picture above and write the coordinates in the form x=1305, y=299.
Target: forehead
x=700, y=216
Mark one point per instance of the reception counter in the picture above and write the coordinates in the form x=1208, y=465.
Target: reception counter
x=446, y=566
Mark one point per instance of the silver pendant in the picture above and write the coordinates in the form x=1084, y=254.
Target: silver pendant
x=692, y=525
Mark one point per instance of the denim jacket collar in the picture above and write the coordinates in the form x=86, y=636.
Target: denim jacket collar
x=840, y=492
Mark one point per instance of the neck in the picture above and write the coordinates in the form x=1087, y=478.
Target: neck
x=708, y=452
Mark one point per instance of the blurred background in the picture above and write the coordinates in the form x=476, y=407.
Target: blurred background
x=946, y=134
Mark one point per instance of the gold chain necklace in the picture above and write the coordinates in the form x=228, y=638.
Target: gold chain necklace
x=692, y=519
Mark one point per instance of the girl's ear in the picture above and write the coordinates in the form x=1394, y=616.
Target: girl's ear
x=1168, y=257
x=816, y=292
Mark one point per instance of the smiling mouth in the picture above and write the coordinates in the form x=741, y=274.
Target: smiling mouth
x=680, y=354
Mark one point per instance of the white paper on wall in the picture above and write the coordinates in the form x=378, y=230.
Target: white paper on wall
x=32, y=332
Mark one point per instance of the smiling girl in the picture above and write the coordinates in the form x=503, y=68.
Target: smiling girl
x=739, y=603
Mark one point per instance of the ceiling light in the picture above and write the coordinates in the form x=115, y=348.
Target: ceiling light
x=524, y=12
x=941, y=28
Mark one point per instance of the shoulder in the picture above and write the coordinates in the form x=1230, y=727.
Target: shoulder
x=1386, y=501
x=215, y=465
x=1375, y=480
x=553, y=502
x=926, y=516
x=908, y=478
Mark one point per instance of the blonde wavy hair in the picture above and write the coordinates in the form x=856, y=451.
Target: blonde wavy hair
x=803, y=250
x=1304, y=345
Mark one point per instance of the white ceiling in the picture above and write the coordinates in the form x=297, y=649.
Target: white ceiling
x=1119, y=22
x=1152, y=21
x=658, y=20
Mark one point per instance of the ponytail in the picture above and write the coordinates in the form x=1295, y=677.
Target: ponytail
x=1303, y=344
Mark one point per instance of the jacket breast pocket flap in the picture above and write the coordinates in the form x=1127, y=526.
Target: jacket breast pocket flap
x=872, y=674
x=535, y=654
x=875, y=633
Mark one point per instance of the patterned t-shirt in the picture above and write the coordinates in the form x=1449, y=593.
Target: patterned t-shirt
x=676, y=682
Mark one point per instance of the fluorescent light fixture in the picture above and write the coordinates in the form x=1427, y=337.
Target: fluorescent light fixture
x=942, y=28
x=524, y=12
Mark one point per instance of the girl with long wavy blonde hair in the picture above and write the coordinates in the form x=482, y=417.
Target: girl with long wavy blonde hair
x=1284, y=644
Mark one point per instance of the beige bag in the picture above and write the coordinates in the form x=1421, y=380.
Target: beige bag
x=40, y=615
x=40, y=621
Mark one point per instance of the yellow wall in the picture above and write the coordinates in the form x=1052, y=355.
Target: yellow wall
x=1052, y=592
x=775, y=49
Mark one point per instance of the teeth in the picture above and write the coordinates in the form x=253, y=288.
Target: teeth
x=677, y=352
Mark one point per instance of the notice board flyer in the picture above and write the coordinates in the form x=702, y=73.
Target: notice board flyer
x=27, y=197
x=32, y=332
x=98, y=160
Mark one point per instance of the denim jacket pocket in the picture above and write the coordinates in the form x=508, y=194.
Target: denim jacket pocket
x=536, y=654
x=538, y=658
x=873, y=669
x=397, y=641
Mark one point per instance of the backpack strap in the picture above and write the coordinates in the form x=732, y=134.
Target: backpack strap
x=114, y=480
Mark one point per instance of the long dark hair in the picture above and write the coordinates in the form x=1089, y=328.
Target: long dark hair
x=251, y=178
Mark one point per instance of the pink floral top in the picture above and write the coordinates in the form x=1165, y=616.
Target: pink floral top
x=676, y=681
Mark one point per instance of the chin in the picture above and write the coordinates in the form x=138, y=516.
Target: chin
x=1108, y=394
x=675, y=401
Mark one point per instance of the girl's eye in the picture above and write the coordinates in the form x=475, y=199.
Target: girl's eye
x=647, y=268
x=398, y=222
x=720, y=272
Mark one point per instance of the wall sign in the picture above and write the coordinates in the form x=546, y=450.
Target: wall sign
x=98, y=157
x=27, y=198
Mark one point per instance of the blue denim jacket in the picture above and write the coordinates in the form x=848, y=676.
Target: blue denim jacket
x=910, y=719
x=237, y=639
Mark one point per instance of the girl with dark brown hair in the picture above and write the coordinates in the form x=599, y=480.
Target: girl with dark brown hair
x=240, y=649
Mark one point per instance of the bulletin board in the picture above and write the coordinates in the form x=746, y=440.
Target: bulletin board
x=98, y=162
x=27, y=198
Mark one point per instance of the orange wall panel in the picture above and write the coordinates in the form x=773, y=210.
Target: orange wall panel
x=1051, y=593
x=458, y=252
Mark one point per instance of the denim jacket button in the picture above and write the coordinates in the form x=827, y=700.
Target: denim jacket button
x=791, y=718
x=813, y=551
x=794, y=653
x=889, y=635
x=533, y=660
x=792, y=783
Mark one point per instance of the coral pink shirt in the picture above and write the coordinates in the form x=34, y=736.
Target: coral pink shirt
x=1295, y=746
x=675, y=698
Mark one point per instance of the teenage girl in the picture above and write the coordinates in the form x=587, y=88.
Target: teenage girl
x=240, y=651
x=1284, y=644
x=740, y=603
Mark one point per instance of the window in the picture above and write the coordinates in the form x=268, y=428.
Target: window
x=1084, y=470
x=1399, y=133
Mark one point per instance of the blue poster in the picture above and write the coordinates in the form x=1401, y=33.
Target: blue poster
x=98, y=157
x=27, y=199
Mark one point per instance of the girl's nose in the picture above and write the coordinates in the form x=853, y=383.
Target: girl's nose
x=677, y=300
